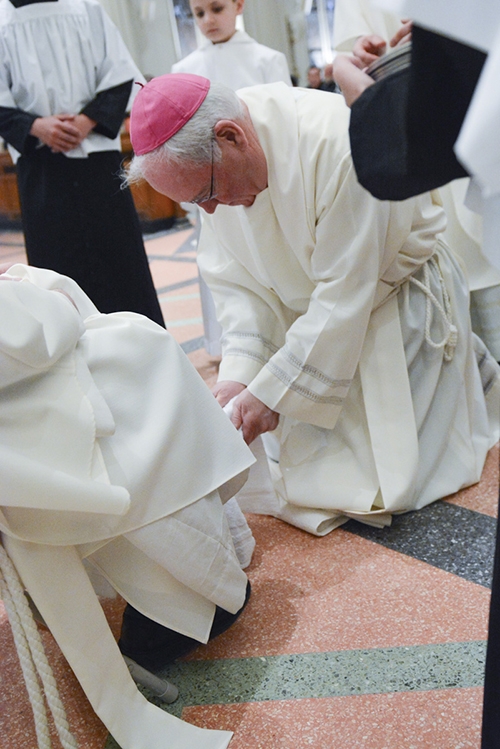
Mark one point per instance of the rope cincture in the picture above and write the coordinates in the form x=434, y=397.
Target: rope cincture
x=450, y=340
x=32, y=657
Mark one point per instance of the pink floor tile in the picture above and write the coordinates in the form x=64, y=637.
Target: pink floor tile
x=168, y=243
x=185, y=307
x=207, y=366
x=482, y=497
x=343, y=592
x=166, y=272
x=441, y=719
x=186, y=332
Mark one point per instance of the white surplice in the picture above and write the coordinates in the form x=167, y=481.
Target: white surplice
x=321, y=323
x=237, y=63
x=112, y=449
x=56, y=57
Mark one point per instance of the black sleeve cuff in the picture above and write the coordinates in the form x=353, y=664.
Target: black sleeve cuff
x=15, y=126
x=108, y=109
x=404, y=127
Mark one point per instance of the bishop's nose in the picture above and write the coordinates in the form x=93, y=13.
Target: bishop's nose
x=209, y=206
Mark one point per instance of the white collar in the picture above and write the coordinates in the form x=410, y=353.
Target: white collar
x=239, y=37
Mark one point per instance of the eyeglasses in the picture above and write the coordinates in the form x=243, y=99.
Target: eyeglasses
x=211, y=195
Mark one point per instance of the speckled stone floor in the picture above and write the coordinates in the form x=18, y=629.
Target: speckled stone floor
x=363, y=639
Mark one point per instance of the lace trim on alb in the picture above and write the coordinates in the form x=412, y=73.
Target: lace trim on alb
x=308, y=369
x=332, y=400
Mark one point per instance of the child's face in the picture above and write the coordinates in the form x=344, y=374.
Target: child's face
x=216, y=19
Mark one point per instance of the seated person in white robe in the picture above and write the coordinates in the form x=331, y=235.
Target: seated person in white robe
x=346, y=322
x=113, y=451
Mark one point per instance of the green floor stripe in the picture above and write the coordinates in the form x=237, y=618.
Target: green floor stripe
x=313, y=675
x=335, y=674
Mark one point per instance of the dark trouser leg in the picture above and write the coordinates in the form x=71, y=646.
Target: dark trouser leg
x=153, y=646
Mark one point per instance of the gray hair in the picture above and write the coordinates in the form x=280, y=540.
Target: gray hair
x=194, y=142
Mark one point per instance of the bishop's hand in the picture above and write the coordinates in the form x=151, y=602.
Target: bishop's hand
x=253, y=416
x=249, y=413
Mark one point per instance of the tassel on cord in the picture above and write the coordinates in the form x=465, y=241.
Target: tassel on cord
x=450, y=340
x=33, y=659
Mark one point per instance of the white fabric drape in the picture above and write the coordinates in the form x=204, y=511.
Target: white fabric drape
x=75, y=618
x=113, y=450
x=81, y=401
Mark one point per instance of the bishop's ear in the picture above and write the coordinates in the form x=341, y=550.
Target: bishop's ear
x=231, y=133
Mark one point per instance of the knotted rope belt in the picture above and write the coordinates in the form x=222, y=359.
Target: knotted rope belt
x=449, y=342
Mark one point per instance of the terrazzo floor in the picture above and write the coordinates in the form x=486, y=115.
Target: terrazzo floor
x=363, y=639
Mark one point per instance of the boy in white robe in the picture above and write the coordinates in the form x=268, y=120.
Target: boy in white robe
x=113, y=450
x=228, y=55
x=344, y=317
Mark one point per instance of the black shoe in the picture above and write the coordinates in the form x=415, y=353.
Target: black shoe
x=153, y=646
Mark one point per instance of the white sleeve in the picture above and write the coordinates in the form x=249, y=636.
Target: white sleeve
x=361, y=245
x=309, y=377
x=252, y=317
x=349, y=24
x=355, y=18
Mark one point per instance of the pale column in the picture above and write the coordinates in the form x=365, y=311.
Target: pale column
x=149, y=31
x=280, y=24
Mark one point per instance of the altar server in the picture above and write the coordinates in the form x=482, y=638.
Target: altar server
x=229, y=55
x=65, y=82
